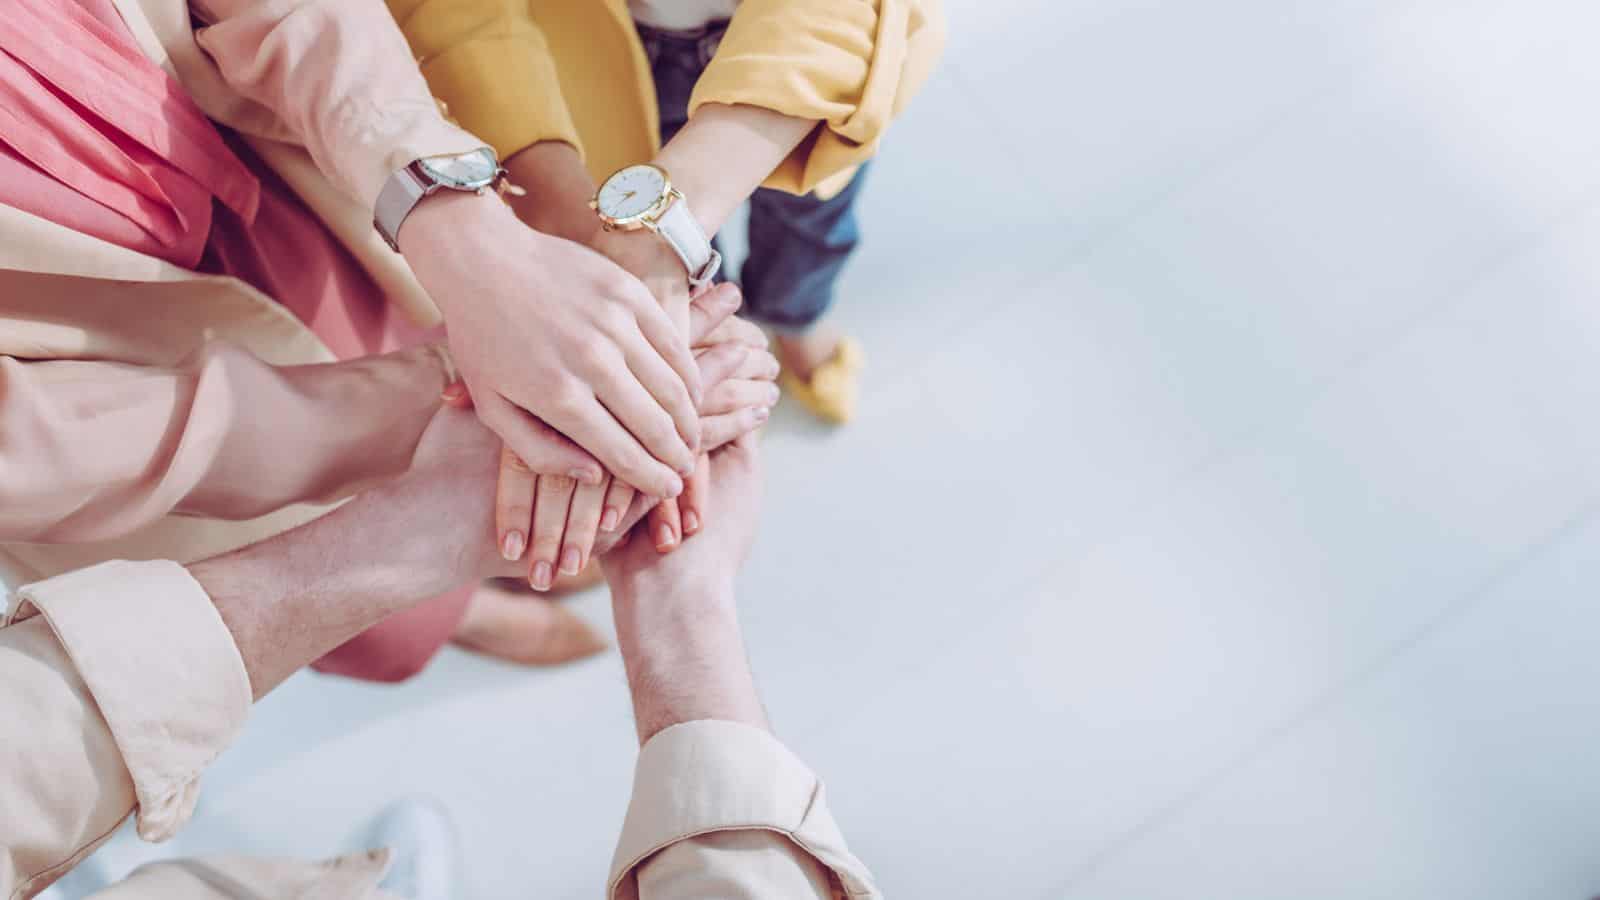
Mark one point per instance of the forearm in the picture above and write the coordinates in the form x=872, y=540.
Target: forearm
x=289, y=600
x=130, y=680
x=558, y=190
x=718, y=159
x=724, y=153
x=684, y=655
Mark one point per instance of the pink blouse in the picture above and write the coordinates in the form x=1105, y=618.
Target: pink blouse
x=96, y=137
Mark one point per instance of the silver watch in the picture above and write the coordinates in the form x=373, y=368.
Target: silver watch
x=475, y=171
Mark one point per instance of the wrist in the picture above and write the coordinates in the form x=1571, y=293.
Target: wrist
x=649, y=595
x=558, y=190
x=685, y=659
x=710, y=201
x=444, y=218
x=647, y=256
x=381, y=404
x=724, y=152
x=295, y=597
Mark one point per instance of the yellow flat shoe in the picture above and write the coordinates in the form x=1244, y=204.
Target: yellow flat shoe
x=830, y=394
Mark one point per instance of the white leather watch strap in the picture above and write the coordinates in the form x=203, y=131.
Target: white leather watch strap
x=686, y=238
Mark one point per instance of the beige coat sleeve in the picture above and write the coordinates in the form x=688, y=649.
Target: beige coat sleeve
x=119, y=684
x=339, y=76
x=721, y=809
x=91, y=450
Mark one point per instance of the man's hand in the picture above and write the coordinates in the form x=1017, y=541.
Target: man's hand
x=292, y=598
x=677, y=623
x=705, y=566
x=550, y=335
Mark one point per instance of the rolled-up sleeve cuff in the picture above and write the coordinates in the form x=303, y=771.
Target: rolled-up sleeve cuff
x=162, y=667
x=709, y=776
x=844, y=75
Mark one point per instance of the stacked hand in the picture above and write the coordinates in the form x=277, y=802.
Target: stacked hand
x=558, y=520
x=552, y=339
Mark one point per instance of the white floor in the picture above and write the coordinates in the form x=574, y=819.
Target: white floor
x=1224, y=521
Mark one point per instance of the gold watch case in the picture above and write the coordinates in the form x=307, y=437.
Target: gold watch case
x=646, y=218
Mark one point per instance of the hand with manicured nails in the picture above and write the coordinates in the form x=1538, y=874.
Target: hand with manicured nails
x=554, y=339
x=556, y=521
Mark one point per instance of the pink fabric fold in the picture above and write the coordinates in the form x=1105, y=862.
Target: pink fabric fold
x=95, y=136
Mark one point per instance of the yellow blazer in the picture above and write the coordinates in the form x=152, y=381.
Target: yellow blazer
x=517, y=72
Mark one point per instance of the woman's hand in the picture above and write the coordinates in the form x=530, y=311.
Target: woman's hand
x=552, y=337
x=734, y=360
x=559, y=524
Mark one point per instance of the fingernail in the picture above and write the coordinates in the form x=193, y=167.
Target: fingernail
x=665, y=539
x=762, y=414
x=772, y=395
x=609, y=519
x=571, y=561
x=691, y=522
x=453, y=391
x=584, y=474
x=540, y=579
x=512, y=545
x=674, y=488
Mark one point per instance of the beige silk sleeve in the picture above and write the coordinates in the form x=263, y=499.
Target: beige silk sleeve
x=119, y=684
x=92, y=450
x=722, y=809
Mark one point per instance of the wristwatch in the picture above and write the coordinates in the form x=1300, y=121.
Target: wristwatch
x=642, y=196
x=476, y=171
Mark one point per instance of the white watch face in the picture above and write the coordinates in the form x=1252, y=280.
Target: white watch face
x=463, y=170
x=631, y=192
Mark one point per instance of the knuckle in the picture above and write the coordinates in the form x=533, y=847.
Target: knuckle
x=623, y=288
x=642, y=470
x=613, y=319
x=595, y=349
x=567, y=400
x=661, y=433
x=514, y=514
x=511, y=461
x=555, y=485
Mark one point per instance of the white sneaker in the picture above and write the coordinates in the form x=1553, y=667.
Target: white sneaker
x=426, y=852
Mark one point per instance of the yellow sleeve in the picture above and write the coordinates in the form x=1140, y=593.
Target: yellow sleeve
x=850, y=64
x=491, y=66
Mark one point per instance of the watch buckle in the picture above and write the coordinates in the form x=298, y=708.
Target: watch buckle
x=700, y=279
